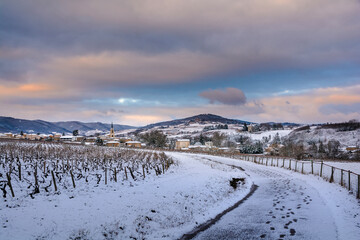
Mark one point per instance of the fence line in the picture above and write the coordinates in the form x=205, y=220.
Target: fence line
x=345, y=178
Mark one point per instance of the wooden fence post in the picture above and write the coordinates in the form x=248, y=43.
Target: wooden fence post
x=53, y=177
x=72, y=178
x=277, y=162
x=44, y=166
x=266, y=161
x=295, y=165
x=143, y=168
x=9, y=183
x=115, y=175
x=283, y=163
x=312, y=167
x=290, y=164
x=349, y=172
x=321, y=168
x=105, y=175
x=332, y=175
x=358, y=190
x=302, y=168
x=126, y=177
x=341, y=178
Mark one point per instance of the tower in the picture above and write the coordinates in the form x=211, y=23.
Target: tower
x=112, y=133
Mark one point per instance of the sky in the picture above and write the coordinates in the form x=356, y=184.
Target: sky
x=138, y=62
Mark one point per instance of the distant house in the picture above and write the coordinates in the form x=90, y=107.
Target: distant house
x=224, y=149
x=135, y=144
x=33, y=136
x=182, y=143
x=198, y=147
x=124, y=140
x=2, y=135
x=66, y=138
x=90, y=139
x=112, y=144
x=352, y=148
x=56, y=137
x=9, y=135
x=78, y=138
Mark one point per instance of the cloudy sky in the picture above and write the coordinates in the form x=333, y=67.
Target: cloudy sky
x=141, y=61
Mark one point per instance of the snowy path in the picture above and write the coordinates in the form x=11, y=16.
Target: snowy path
x=287, y=205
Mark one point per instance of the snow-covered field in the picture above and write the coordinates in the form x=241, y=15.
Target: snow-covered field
x=352, y=166
x=272, y=133
x=158, y=207
x=286, y=204
x=346, y=138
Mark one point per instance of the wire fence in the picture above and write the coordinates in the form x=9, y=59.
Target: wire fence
x=344, y=178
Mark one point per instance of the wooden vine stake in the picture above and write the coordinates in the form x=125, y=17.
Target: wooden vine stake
x=143, y=168
x=53, y=177
x=72, y=178
x=105, y=176
x=115, y=175
x=9, y=183
x=19, y=167
x=349, y=172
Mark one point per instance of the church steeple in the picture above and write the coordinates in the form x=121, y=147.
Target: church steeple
x=112, y=133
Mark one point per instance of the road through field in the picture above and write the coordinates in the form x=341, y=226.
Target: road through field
x=284, y=206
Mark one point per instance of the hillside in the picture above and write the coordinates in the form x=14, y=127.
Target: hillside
x=201, y=119
x=9, y=124
x=14, y=125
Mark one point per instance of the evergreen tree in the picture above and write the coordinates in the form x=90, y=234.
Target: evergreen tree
x=245, y=128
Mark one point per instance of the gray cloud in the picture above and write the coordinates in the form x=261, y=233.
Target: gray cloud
x=229, y=96
x=340, y=108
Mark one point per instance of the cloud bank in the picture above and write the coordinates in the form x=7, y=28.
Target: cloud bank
x=229, y=96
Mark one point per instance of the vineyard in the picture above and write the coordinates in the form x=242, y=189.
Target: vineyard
x=27, y=169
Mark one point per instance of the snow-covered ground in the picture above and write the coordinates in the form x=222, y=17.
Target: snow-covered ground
x=158, y=207
x=346, y=138
x=272, y=133
x=352, y=166
x=288, y=205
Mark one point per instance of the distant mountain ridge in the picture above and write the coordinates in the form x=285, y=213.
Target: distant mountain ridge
x=15, y=125
x=201, y=118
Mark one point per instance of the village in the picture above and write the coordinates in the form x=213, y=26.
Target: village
x=202, y=137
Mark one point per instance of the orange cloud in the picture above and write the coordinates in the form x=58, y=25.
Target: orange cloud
x=26, y=90
x=34, y=87
x=138, y=120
